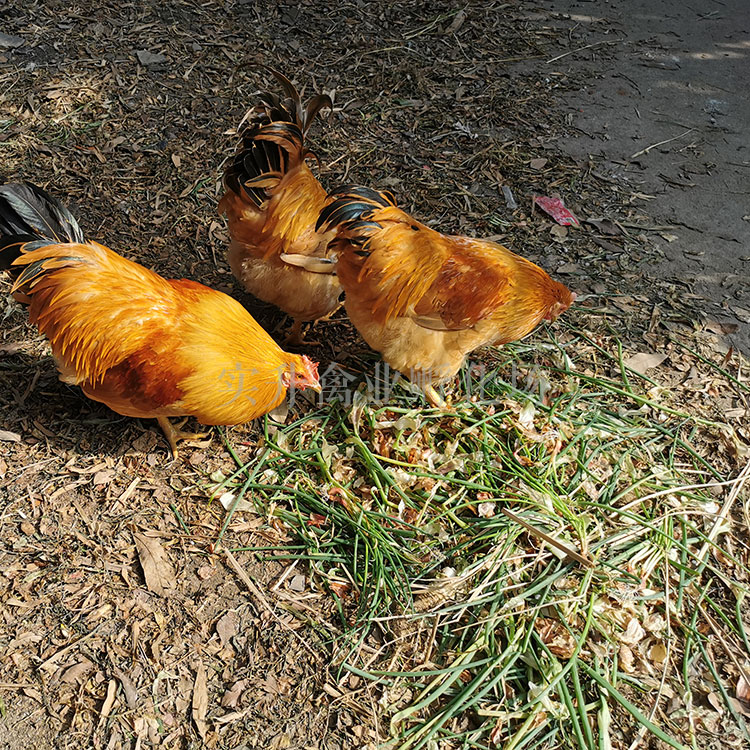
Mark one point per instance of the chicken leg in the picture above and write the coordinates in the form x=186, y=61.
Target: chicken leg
x=433, y=397
x=173, y=434
x=297, y=338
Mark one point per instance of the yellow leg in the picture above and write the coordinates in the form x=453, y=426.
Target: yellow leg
x=325, y=318
x=295, y=337
x=434, y=397
x=173, y=434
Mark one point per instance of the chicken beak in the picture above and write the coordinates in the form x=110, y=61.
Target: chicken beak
x=317, y=387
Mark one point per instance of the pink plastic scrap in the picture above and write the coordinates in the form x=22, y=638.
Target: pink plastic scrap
x=556, y=209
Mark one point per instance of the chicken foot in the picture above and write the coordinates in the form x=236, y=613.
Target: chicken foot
x=174, y=433
x=297, y=338
x=433, y=397
x=327, y=317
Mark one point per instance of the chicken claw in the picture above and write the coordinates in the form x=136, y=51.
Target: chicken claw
x=434, y=397
x=174, y=433
x=297, y=338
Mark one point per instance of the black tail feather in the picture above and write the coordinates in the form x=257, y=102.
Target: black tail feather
x=26, y=209
x=272, y=140
x=30, y=217
x=353, y=207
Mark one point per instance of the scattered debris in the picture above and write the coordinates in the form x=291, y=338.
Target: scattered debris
x=150, y=59
x=556, y=209
x=644, y=361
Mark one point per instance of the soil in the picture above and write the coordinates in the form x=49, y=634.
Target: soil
x=126, y=111
x=664, y=108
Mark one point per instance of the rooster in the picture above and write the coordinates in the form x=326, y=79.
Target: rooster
x=143, y=345
x=423, y=299
x=272, y=202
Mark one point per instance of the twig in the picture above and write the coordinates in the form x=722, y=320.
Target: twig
x=549, y=539
x=16, y=685
x=580, y=49
x=739, y=483
x=258, y=594
x=660, y=143
x=48, y=662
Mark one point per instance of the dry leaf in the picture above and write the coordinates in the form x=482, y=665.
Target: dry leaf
x=131, y=693
x=109, y=701
x=627, y=659
x=658, y=653
x=157, y=568
x=634, y=633
x=200, y=700
x=8, y=41
x=742, y=313
x=457, y=23
x=150, y=59
x=605, y=226
x=10, y=437
x=104, y=477
x=232, y=696
x=715, y=700
x=556, y=637
x=77, y=671
x=297, y=583
x=226, y=627
x=227, y=500
x=538, y=163
x=643, y=362
x=742, y=691
x=486, y=510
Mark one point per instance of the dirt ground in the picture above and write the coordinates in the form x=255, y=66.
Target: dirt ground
x=664, y=108
x=126, y=112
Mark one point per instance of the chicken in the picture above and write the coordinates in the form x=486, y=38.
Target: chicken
x=144, y=346
x=424, y=299
x=272, y=202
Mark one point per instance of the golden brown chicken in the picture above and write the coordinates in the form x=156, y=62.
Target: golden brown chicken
x=425, y=299
x=272, y=202
x=144, y=346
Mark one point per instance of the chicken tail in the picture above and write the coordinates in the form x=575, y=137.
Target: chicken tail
x=352, y=213
x=272, y=141
x=31, y=218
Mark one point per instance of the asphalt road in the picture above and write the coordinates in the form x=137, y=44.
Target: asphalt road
x=678, y=75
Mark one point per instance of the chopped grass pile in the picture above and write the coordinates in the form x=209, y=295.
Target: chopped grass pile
x=614, y=584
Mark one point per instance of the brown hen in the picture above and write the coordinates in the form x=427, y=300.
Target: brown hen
x=424, y=299
x=143, y=345
x=272, y=202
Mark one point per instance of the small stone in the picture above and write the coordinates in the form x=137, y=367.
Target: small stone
x=8, y=41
